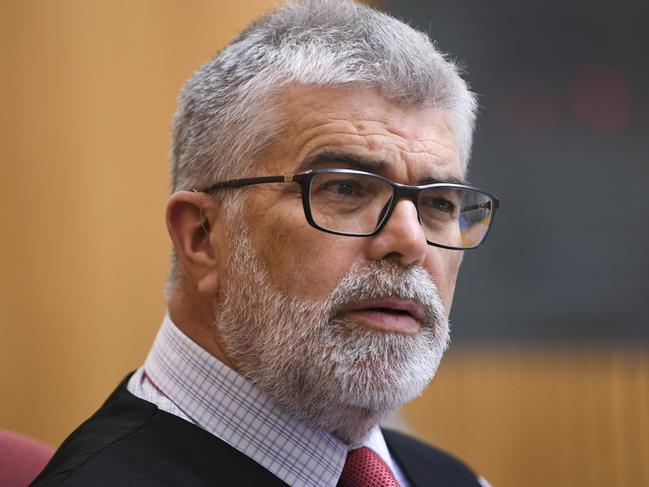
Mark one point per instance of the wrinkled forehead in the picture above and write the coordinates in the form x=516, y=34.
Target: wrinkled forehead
x=361, y=126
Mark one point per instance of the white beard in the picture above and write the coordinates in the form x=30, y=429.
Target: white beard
x=331, y=372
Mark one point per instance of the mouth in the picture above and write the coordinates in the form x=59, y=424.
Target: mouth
x=388, y=314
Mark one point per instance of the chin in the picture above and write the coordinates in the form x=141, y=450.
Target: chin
x=347, y=392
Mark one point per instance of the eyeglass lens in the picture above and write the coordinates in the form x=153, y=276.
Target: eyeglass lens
x=356, y=204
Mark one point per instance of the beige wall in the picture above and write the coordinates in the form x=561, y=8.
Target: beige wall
x=541, y=417
x=88, y=89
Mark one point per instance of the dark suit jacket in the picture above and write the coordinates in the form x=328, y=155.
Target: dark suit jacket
x=130, y=442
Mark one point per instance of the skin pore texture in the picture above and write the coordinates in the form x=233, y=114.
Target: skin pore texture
x=339, y=330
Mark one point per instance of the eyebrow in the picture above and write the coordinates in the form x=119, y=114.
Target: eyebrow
x=449, y=179
x=336, y=159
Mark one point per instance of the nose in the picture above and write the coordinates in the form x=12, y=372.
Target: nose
x=402, y=238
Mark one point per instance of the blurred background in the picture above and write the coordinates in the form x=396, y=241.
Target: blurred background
x=547, y=380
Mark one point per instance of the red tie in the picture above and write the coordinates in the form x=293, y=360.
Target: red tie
x=365, y=468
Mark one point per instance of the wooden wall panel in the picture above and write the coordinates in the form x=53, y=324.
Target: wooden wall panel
x=540, y=417
x=88, y=91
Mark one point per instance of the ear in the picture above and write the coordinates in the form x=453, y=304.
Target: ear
x=195, y=228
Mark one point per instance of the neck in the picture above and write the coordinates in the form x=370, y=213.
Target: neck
x=195, y=319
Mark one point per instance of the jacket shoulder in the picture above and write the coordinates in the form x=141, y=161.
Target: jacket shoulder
x=427, y=465
x=130, y=442
x=95, y=435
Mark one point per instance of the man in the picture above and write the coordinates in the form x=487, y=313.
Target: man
x=319, y=216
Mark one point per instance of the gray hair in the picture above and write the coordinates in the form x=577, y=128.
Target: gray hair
x=228, y=112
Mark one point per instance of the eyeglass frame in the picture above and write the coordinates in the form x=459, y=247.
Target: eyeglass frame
x=400, y=191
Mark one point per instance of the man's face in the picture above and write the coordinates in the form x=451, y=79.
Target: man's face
x=340, y=330
x=407, y=145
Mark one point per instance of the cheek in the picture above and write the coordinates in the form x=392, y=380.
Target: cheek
x=301, y=260
x=444, y=266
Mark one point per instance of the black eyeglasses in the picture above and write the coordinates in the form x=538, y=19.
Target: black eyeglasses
x=359, y=204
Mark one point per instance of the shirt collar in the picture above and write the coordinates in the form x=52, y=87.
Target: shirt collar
x=232, y=408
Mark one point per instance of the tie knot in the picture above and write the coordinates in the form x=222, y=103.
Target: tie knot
x=365, y=468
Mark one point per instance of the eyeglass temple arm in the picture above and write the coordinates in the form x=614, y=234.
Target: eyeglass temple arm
x=479, y=206
x=238, y=183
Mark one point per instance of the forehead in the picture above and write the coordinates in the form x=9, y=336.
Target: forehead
x=405, y=142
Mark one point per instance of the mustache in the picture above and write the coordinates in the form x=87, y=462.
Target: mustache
x=388, y=279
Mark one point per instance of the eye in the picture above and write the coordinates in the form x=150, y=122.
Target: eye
x=441, y=204
x=342, y=187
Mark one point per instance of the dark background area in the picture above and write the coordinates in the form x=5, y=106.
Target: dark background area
x=563, y=140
